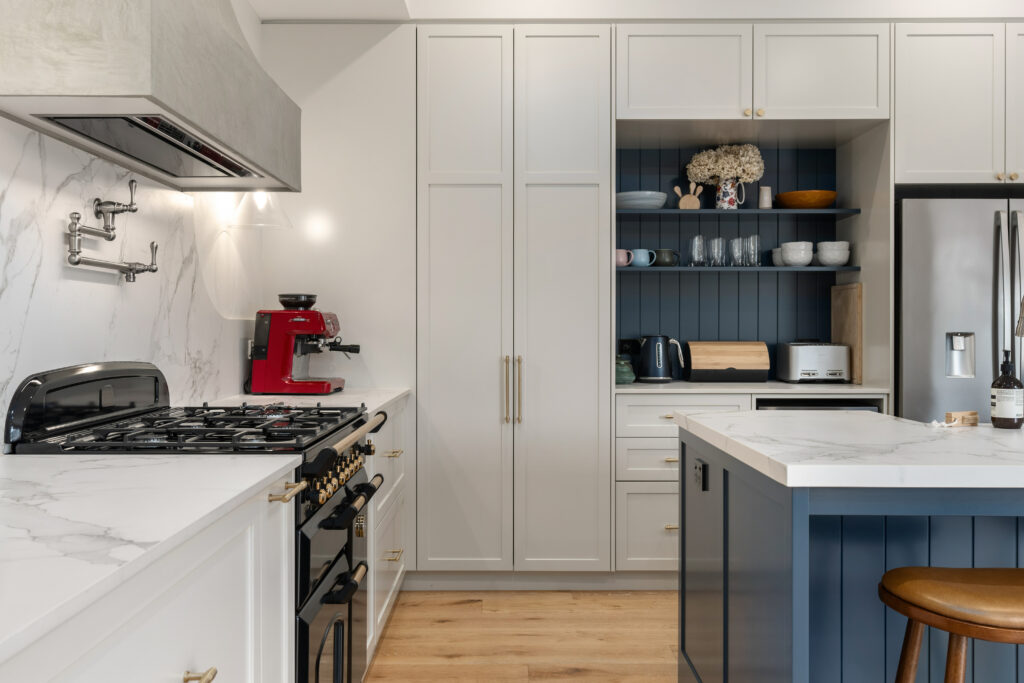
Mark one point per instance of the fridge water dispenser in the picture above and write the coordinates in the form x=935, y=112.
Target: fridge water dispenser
x=960, y=355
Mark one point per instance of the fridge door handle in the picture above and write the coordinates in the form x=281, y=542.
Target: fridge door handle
x=1003, y=322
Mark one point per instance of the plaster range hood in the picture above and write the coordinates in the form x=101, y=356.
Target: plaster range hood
x=166, y=88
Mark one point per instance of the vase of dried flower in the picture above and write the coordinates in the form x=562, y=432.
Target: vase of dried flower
x=728, y=194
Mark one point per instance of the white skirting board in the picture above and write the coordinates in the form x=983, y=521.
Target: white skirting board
x=533, y=581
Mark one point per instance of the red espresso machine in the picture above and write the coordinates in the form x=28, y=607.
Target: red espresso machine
x=282, y=343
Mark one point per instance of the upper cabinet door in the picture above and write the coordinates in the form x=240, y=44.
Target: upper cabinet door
x=1015, y=103
x=563, y=298
x=464, y=297
x=950, y=95
x=821, y=71
x=684, y=71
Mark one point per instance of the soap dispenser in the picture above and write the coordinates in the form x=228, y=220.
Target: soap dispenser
x=1007, y=397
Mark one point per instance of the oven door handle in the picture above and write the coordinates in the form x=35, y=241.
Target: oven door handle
x=309, y=609
x=372, y=425
x=342, y=518
x=344, y=593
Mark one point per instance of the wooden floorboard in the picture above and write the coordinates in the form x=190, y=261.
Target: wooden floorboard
x=529, y=636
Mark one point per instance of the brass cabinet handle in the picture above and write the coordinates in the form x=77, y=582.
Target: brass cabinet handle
x=1014, y=175
x=671, y=527
x=507, y=418
x=397, y=555
x=204, y=677
x=292, y=490
x=760, y=112
x=667, y=417
x=519, y=390
x=395, y=453
x=1000, y=176
x=746, y=112
x=671, y=459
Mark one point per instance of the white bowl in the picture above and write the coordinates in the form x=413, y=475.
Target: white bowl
x=640, y=200
x=834, y=258
x=777, y=257
x=801, y=246
x=796, y=258
x=833, y=246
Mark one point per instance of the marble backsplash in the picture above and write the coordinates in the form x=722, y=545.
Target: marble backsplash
x=55, y=315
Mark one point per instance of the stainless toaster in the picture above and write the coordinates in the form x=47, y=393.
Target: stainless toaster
x=812, y=362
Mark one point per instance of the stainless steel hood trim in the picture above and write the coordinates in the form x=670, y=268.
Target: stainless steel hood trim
x=184, y=60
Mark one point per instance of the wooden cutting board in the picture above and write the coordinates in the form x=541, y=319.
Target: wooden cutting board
x=848, y=325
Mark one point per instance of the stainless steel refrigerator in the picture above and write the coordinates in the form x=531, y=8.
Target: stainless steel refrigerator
x=959, y=296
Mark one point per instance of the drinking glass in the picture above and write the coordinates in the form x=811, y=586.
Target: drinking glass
x=736, y=251
x=697, y=253
x=716, y=251
x=752, y=251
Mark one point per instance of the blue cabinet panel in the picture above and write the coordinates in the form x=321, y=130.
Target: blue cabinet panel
x=906, y=545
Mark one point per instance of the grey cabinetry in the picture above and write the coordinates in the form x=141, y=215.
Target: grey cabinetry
x=702, y=594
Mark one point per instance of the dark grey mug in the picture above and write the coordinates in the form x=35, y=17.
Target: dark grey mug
x=666, y=257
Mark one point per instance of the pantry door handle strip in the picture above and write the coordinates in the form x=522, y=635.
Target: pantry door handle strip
x=508, y=360
x=519, y=390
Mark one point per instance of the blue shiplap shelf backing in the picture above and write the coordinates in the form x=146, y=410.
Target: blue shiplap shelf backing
x=710, y=306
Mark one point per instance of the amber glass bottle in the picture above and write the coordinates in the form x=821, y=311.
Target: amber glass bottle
x=1007, y=397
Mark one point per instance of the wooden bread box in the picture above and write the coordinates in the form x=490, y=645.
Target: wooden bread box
x=726, y=361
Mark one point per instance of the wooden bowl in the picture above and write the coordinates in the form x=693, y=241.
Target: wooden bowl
x=805, y=199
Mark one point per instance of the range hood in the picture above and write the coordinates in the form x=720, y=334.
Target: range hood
x=166, y=88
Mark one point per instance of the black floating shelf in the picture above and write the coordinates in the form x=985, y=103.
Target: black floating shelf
x=739, y=212
x=737, y=269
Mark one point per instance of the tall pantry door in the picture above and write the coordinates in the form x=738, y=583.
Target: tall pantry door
x=464, y=297
x=562, y=298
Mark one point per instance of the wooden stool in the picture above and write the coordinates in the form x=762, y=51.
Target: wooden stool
x=987, y=604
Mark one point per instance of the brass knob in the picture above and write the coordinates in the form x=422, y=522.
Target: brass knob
x=1014, y=175
x=322, y=497
x=204, y=677
x=334, y=482
x=760, y=112
x=746, y=112
x=1000, y=176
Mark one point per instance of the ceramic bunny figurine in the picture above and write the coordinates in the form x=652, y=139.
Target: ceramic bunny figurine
x=689, y=201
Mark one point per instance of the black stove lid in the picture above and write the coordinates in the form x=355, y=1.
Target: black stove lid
x=60, y=401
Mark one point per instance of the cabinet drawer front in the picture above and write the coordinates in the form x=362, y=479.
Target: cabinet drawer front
x=647, y=525
x=653, y=81
x=388, y=563
x=390, y=459
x=651, y=415
x=651, y=459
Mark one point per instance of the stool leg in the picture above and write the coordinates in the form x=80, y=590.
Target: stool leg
x=956, y=659
x=911, y=652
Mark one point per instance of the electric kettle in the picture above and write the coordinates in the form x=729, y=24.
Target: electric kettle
x=655, y=365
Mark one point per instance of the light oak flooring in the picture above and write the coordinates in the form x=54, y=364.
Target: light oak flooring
x=529, y=636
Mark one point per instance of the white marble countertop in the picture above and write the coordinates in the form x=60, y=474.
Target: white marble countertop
x=863, y=449
x=73, y=527
x=375, y=399
x=772, y=387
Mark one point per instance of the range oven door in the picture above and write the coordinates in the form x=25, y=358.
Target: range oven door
x=331, y=629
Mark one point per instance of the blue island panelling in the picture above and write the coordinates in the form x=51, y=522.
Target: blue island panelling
x=771, y=307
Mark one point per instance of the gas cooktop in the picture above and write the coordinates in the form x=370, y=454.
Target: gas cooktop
x=270, y=428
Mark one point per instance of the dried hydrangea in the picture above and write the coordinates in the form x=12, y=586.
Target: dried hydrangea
x=743, y=162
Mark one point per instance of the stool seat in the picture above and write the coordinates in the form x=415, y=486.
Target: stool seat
x=988, y=597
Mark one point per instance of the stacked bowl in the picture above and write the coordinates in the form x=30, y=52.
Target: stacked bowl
x=833, y=253
x=795, y=253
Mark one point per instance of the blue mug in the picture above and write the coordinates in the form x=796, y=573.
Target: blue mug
x=642, y=258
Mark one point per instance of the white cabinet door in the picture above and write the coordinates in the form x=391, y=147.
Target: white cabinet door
x=949, y=110
x=642, y=415
x=464, y=296
x=821, y=71
x=388, y=562
x=1015, y=103
x=647, y=525
x=562, y=298
x=683, y=71
x=647, y=459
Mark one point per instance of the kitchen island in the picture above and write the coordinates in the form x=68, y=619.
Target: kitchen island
x=790, y=520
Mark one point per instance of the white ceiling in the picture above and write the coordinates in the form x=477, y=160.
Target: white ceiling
x=550, y=10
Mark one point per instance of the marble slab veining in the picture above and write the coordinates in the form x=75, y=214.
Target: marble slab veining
x=863, y=449
x=72, y=528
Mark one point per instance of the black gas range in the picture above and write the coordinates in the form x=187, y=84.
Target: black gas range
x=122, y=408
